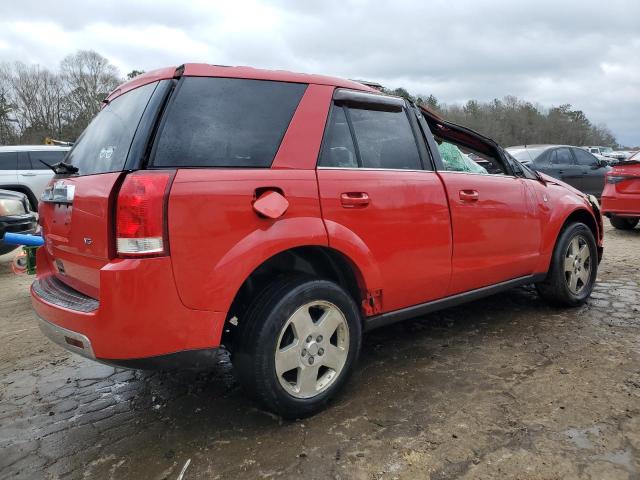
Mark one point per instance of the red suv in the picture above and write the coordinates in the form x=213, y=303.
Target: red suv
x=282, y=215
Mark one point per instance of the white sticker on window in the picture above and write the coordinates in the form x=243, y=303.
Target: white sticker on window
x=107, y=152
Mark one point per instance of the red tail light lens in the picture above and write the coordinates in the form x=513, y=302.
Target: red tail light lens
x=613, y=179
x=140, y=214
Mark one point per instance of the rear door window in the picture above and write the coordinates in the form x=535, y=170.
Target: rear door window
x=338, y=150
x=226, y=122
x=385, y=139
x=47, y=156
x=104, y=145
x=8, y=160
x=561, y=156
x=584, y=158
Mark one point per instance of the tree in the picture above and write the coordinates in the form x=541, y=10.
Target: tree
x=134, y=73
x=431, y=102
x=8, y=130
x=36, y=96
x=511, y=121
x=88, y=78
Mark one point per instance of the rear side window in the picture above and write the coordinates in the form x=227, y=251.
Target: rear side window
x=8, y=160
x=584, y=158
x=49, y=157
x=226, y=122
x=104, y=145
x=561, y=156
x=385, y=139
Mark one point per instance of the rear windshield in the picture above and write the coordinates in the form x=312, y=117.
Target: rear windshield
x=104, y=145
x=226, y=122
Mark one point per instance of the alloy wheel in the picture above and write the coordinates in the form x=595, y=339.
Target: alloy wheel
x=577, y=264
x=312, y=349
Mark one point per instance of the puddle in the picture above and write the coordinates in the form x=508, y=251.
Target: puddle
x=580, y=436
x=624, y=458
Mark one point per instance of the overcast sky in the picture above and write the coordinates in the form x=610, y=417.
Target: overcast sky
x=586, y=52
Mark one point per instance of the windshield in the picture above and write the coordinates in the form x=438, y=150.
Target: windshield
x=104, y=145
x=634, y=157
x=525, y=155
x=606, y=149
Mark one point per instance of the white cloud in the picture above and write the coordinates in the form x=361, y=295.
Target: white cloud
x=545, y=51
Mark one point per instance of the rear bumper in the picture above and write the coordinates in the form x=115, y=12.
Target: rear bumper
x=73, y=341
x=621, y=206
x=138, y=315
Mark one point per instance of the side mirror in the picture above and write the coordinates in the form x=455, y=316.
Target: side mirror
x=600, y=164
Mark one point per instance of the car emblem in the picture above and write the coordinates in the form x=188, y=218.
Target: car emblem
x=88, y=241
x=545, y=198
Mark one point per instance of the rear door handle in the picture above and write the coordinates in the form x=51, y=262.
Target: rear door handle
x=354, y=199
x=28, y=174
x=469, y=195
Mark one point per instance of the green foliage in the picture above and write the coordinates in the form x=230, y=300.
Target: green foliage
x=134, y=74
x=511, y=121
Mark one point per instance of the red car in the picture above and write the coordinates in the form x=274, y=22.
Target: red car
x=282, y=215
x=621, y=195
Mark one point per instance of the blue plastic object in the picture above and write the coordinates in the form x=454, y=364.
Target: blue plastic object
x=22, y=239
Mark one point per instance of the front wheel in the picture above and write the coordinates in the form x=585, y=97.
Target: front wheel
x=623, y=223
x=574, y=267
x=297, y=345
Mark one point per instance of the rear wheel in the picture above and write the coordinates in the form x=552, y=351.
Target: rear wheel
x=297, y=345
x=574, y=267
x=623, y=223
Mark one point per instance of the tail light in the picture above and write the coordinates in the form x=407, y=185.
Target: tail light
x=140, y=215
x=613, y=179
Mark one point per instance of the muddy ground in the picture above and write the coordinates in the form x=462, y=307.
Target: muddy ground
x=506, y=387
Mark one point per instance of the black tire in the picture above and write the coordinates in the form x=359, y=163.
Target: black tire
x=260, y=329
x=555, y=288
x=4, y=249
x=623, y=223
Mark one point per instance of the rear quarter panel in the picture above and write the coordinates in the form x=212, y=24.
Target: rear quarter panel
x=216, y=238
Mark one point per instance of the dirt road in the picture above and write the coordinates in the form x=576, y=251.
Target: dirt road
x=505, y=387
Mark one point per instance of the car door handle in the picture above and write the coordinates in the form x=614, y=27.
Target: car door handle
x=469, y=195
x=354, y=199
x=560, y=172
x=28, y=174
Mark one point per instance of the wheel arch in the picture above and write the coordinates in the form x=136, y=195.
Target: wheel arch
x=317, y=260
x=584, y=216
x=581, y=215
